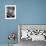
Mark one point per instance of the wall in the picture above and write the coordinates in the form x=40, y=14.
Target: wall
x=27, y=12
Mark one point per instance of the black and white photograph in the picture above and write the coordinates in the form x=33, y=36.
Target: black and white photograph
x=10, y=11
x=31, y=34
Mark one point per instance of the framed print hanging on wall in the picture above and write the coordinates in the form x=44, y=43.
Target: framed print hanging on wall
x=10, y=11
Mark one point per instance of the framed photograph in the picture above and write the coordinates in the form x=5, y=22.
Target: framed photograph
x=10, y=11
x=33, y=32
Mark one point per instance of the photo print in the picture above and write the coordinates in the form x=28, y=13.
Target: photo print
x=10, y=11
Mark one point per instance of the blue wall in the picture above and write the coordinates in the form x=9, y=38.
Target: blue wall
x=27, y=12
